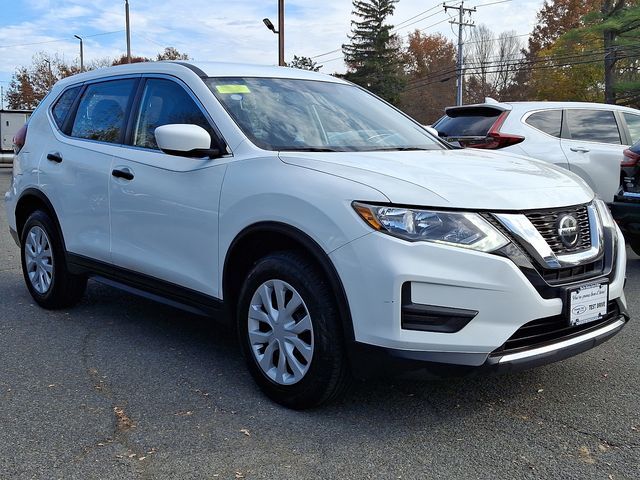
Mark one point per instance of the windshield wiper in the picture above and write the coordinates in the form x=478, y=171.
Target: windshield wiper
x=309, y=149
x=398, y=149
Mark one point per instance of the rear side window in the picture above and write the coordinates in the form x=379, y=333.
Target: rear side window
x=633, y=123
x=474, y=122
x=593, y=126
x=102, y=111
x=165, y=102
x=549, y=121
x=61, y=109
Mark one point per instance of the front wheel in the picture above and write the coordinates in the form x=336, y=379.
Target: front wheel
x=44, y=267
x=290, y=332
x=635, y=246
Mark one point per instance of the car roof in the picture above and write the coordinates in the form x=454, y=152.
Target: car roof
x=543, y=105
x=202, y=69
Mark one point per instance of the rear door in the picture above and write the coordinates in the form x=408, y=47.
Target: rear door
x=76, y=162
x=593, y=144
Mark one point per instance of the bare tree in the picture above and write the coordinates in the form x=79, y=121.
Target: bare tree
x=491, y=63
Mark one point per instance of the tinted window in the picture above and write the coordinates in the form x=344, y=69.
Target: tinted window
x=61, y=109
x=164, y=102
x=474, y=122
x=593, y=126
x=633, y=123
x=549, y=121
x=101, y=113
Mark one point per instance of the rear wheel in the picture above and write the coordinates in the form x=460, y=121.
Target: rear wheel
x=44, y=267
x=635, y=246
x=290, y=332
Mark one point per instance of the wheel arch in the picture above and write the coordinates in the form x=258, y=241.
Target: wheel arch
x=31, y=200
x=260, y=239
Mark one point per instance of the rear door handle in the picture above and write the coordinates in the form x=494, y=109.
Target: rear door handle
x=579, y=149
x=54, y=157
x=122, y=172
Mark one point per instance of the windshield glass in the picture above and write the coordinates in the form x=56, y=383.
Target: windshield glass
x=308, y=115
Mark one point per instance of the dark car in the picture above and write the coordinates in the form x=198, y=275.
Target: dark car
x=626, y=205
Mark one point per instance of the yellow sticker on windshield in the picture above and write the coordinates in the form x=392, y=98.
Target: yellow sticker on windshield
x=232, y=89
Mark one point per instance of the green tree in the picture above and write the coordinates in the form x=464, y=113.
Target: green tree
x=304, y=63
x=618, y=24
x=373, y=56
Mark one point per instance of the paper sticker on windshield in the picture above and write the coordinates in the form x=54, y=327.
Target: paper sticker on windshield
x=232, y=89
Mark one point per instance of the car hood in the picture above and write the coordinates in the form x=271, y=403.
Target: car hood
x=468, y=179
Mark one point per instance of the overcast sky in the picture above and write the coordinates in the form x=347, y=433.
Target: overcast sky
x=230, y=30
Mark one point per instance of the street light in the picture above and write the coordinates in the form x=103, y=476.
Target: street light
x=81, y=54
x=279, y=32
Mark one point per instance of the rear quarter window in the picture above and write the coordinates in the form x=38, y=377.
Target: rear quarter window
x=633, y=124
x=62, y=107
x=548, y=121
x=470, y=122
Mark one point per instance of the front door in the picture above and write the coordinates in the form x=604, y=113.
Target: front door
x=164, y=208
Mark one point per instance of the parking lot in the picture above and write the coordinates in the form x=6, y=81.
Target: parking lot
x=120, y=387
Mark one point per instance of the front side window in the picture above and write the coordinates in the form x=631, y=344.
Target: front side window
x=61, y=109
x=295, y=114
x=633, y=123
x=593, y=126
x=549, y=121
x=102, y=111
x=165, y=102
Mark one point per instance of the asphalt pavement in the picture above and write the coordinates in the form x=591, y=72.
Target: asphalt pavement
x=122, y=388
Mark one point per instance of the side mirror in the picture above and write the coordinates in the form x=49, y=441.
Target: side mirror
x=431, y=130
x=185, y=140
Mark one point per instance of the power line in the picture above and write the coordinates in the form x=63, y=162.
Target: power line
x=57, y=40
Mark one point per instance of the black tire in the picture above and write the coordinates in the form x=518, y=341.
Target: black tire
x=635, y=246
x=328, y=375
x=65, y=289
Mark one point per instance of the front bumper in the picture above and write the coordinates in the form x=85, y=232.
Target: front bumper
x=369, y=361
x=498, y=294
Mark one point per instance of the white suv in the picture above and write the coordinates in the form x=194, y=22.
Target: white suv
x=586, y=138
x=333, y=231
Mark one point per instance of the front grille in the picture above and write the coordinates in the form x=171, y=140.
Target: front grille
x=551, y=330
x=546, y=222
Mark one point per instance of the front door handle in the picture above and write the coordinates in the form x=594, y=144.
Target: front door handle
x=54, y=157
x=579, y=149
x=123, y=173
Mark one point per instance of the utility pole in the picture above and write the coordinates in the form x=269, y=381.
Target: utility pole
x=81, y=54
x=128, y=28
x=281, y=33
x=461, y=24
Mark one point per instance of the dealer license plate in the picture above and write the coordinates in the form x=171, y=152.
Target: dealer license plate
x=588, y=303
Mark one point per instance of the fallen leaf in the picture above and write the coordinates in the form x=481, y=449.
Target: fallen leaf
x=245, y=431
x=585, y=455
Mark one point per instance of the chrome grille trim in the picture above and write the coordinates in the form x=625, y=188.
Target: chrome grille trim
x=529, y=237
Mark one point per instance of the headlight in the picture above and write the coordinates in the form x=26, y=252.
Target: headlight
x=605, y=214
x=459, y=229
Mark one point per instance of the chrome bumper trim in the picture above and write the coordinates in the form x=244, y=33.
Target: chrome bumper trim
x=563, y=344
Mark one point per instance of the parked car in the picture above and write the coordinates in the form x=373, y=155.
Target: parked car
x=626, y=207
x=334, y=232
x=585, y=138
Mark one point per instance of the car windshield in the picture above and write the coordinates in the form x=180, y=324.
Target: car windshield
x=309, y=115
